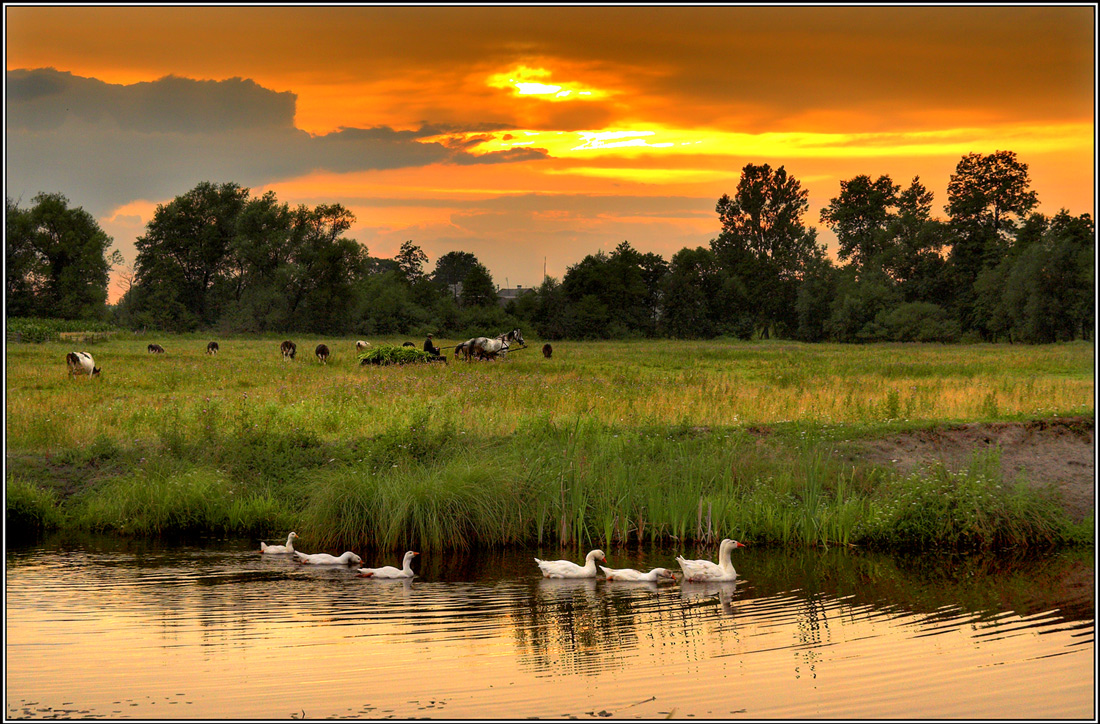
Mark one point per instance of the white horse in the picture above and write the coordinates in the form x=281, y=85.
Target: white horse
x=486, y=348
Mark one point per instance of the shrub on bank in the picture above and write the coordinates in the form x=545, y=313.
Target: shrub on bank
x=965, y=510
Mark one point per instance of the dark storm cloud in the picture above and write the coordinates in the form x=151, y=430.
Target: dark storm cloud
x=104, y=145
x=46, y=98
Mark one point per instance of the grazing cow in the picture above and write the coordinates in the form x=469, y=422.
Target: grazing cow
x=408, y=344
x=547, y=350
x=81, y=363
x=155, y=349
x=212, y=348
x=289, y=349
x=322, y=353
x=361, y=346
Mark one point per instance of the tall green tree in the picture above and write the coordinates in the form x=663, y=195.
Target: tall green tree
x=986, y=197
x=694, y=280
x=1048, y=291
x=991, y=191
x=410, y=262
x=478, y=289
x=549, y=317
x=258, y=269
x=860, y=217
x=451, y=269
x=58, y=260
x=184, y=254
x=766, y=245
x=323, y=269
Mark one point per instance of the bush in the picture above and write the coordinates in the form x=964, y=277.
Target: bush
x=920, y=322
x=38, y=329
x=967, y=510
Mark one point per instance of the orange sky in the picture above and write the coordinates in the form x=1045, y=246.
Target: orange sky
x=524, y=134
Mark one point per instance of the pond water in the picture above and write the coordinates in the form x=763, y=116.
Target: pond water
x=125, y=629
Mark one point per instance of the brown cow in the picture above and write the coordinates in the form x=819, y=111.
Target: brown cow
x=212, y=348
x=288, y=349
x=322, y=353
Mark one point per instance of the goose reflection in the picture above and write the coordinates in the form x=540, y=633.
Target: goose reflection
x=698, y=591
x=571, y=589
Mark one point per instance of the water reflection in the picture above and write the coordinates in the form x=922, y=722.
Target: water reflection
x=808, y=616
x=720, y=592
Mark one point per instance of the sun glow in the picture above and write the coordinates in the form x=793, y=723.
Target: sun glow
x=527, y=81
x=659, y=140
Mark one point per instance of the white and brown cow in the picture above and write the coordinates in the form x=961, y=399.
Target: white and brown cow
x=322, y=353
x=289, y=349
x=81, y=363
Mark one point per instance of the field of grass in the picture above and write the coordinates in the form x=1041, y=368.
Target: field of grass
x=609, y=442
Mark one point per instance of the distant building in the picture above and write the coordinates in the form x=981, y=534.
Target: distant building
x=509, y=294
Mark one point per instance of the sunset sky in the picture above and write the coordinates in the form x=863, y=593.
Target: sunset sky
x=538, y=133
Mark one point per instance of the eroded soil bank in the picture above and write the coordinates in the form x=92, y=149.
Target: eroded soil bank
x=1057, y=452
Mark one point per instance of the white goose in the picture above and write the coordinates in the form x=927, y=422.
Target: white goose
x=405, y=571
x=324, y=559
x=630, y=574
x=569, y=569
x=707, y=571
x=288, y=548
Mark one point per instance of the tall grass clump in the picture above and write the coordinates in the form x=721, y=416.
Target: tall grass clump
x=30, y=510
x=971, y=509
x=427, y=507
x=176, y=499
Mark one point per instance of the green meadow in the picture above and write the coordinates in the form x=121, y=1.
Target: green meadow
x=609, y=443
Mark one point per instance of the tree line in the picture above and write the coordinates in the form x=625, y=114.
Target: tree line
x=216, y=258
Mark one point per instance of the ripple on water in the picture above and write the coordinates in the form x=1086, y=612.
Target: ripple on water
x=198, y=633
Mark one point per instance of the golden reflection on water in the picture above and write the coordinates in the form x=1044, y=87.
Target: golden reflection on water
x=225, y=633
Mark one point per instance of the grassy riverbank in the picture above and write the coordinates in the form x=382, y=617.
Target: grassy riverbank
x=606, y=443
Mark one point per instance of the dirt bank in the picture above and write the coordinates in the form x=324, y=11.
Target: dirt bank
x=1056, y=452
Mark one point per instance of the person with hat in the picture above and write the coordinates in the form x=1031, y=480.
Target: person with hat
x=429, y=347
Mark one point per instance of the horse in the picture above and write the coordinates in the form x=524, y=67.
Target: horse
x=466, y=348
x=486, y=348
